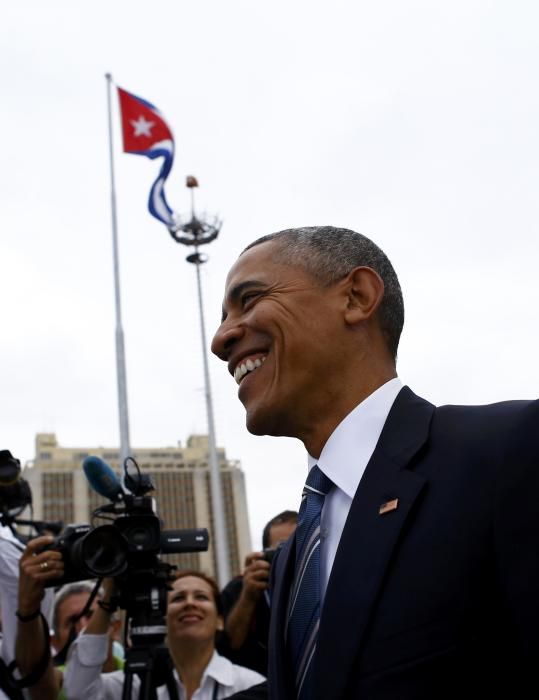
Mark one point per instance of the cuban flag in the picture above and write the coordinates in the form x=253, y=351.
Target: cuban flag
x=146, y=133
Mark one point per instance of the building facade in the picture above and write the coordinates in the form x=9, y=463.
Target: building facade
x=181, y=476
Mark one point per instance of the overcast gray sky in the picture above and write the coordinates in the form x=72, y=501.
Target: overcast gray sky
x=412, y=122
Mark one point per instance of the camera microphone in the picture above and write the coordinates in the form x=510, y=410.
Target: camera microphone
x=102, y=478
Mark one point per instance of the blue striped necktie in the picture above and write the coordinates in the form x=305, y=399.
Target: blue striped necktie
x=304, y=604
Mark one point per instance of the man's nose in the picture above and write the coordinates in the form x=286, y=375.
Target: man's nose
x=225, y=337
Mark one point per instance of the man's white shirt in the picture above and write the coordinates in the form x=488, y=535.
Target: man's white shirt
x=344, y=459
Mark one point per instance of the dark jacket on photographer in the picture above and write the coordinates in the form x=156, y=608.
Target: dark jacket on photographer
x=254, y=651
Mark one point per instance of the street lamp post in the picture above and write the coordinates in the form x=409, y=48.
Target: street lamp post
x=196, y=232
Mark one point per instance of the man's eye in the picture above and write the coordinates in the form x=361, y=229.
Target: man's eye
x=249, y=296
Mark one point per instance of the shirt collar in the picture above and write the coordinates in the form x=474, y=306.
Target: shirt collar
x=350, y=446
x=220, y=669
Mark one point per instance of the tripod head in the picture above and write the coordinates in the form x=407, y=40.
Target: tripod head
x=145, y=603
x=144, y=600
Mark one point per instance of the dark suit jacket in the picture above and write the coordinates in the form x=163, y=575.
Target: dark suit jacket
x=438, y=598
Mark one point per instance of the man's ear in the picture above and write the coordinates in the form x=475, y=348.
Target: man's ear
x=364, y=293
x=220, y=623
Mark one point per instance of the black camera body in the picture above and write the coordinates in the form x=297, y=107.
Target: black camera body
x=15, y=496
x=268, y=554
x=68, y=543
x=15, y=493
x=10, y=468
x=130, y=544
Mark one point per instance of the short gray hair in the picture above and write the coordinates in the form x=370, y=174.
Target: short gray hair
x=66, y=591
x=328, y=254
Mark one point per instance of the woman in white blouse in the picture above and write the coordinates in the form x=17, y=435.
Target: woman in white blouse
x=193, y=619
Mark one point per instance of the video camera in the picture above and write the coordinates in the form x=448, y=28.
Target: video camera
x=15, y=492
x=268, y=554
x=131, y=544
x=16, y=495
x=129, y=549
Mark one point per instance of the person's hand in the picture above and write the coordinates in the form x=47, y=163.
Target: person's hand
x=109, y=588
x=35, y=569
x=255, y=575
x=107, y=599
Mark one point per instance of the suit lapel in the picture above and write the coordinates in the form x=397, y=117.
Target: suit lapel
x=282, y=573
x=368, y=541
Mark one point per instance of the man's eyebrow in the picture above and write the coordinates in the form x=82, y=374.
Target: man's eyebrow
x=235, y=293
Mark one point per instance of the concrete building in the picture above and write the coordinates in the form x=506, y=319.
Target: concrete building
x=181, y=476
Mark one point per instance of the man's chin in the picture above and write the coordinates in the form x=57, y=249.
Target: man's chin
x=255, y=427
x=257, y=421
x=262, y=423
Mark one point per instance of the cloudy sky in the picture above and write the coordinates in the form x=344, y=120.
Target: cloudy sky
x=413, y=122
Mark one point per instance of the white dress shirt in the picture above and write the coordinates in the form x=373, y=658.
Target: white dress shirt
x=11, y=550
x=344, y=459
x=83, y=678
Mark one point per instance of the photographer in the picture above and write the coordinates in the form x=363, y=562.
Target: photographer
x=10, y=553
x=33, y=640
x=71, y=614
x=246, y=599
x=193, y=619
x=15, y=496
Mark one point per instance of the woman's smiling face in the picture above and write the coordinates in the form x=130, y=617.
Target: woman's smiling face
x=192, y=612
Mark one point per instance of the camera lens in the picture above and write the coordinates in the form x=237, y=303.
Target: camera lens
x=103, y=552
x=141, y=532
x=141, y=538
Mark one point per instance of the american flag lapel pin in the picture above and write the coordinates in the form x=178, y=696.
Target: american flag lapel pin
x=388, y=506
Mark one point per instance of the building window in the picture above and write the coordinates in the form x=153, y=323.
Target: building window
x=58, y=497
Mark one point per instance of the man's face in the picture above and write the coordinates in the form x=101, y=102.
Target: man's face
x=69, y=610
x=279, y=336
x=280, y=533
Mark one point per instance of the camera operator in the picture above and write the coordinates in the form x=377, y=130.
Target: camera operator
x=71, y=614
x=246, y=599
x=193, y=618
x=10, y=552
x=15, y=496
x=33, y=639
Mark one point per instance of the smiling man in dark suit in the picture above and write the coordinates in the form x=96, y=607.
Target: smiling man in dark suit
x=414, y=570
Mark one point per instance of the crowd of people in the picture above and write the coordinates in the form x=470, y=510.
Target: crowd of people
x=69, y=642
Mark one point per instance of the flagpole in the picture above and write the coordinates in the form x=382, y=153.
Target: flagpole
x=197, y=232
x=217, y=496
x=119, y=334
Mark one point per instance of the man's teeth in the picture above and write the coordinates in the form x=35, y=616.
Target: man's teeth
x=247, y=366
